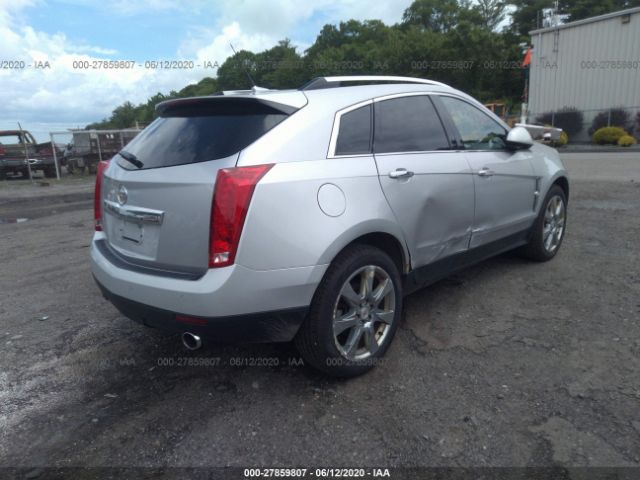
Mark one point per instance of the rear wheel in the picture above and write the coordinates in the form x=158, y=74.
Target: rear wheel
x=549, y=228
x=354, y=314
x=50, y=173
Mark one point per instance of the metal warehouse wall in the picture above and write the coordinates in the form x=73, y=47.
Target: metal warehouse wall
x=570, y=64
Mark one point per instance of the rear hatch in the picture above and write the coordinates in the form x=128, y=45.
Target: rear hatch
x=157, y=192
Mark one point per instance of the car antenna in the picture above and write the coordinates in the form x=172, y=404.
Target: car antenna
x=246, y=72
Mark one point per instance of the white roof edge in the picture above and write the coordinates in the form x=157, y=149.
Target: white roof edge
x=584, y=21
x=382, y=78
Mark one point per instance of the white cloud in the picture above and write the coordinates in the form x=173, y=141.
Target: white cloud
x=215, y=45
x=63, y=93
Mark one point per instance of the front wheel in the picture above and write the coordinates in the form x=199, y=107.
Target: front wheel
x=354, y=313
x=549, y=228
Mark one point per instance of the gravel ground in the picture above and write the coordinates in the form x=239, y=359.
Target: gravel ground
x=509, y=363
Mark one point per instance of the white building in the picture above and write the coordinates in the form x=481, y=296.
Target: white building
x=591, y=64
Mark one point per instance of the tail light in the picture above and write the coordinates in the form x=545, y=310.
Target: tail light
x=97, y=207
x=2, y=149
x=233, y=191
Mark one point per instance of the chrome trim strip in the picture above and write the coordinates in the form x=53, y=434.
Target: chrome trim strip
x=135, y=214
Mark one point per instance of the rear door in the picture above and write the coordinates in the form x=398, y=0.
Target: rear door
x=429, y=186
x=157, y=192
x=504, y=179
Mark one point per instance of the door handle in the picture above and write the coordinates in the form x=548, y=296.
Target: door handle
x=400, y=173
x=485, y=172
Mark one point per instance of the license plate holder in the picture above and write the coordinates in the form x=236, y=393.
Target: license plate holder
x=132, y=232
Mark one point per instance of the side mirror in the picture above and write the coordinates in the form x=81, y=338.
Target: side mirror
x=519, y=138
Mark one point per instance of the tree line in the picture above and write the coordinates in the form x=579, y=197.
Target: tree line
x=475, y=46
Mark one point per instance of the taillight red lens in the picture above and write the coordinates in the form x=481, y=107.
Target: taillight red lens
x=233, y=191
x=97, y=207
x=2, y=149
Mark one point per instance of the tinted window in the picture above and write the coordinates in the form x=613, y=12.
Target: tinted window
x=198, y=134
x=355, y=132
x=477, y=129
x=408, y=124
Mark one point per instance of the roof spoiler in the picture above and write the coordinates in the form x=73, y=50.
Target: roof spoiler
x=225, y=103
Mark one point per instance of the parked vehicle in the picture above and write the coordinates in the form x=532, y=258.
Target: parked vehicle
x=308, y=214
x=88, y=147
x=18, y=146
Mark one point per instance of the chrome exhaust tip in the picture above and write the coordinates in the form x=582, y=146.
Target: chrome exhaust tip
x=191, y=341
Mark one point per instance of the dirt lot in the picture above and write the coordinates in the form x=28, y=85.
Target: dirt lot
x=507, y=364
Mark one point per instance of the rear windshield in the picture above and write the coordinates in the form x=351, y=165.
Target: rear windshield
x=199, y=133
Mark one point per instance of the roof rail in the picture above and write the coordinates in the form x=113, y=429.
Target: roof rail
x=332, y=82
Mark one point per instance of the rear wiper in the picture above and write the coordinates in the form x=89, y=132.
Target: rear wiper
x=131, y=158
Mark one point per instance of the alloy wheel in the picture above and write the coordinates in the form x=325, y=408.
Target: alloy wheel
x=363, y=312
x=553, y=225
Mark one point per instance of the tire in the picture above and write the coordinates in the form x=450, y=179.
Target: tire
x=92, y=168
x=547, y=233
x=368, y=324
x=50, y=173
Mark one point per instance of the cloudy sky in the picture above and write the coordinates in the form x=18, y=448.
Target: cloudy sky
x=47, y=37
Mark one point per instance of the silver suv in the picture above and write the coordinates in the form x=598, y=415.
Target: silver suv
x=307, y=215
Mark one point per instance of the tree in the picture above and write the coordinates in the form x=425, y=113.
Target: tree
x=353, y=48
x=433, y=15
x=579, y=9
x=529, y=14
x=124, y=116
x=232, y=74
x=280, y=67
x=453, y=41
x=493, y=12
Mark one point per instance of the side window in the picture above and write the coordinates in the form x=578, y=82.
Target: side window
x=408, y=124
x=354, y=136
x=478, y=130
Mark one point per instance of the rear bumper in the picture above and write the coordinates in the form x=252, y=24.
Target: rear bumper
x=232, y=304
x=274, y=326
